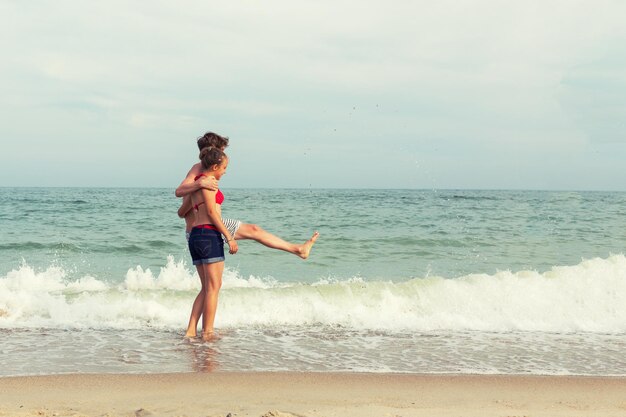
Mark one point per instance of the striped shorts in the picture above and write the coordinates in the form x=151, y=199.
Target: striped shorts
x=232, y=226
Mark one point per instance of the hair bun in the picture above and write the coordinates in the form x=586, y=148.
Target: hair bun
x=211, y=156
x=205, y=151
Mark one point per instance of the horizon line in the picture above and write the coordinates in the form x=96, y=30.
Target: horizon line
x=325, y=188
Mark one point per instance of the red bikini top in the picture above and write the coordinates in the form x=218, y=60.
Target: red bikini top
x=219, y=196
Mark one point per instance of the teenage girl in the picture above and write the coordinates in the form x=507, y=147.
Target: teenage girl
x=206, y=245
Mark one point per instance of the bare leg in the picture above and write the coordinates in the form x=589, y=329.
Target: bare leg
x=198, y=307
x=254, y=232
x=213, y=283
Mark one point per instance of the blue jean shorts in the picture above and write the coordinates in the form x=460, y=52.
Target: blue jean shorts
x=206, y=246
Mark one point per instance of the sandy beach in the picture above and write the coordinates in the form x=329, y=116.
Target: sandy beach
x=310, y=394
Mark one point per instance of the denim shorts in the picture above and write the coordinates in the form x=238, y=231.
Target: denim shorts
x=206, y=246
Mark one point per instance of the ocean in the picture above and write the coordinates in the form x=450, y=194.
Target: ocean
x=403, y=281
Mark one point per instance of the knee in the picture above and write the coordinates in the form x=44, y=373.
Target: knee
x=215, y=284
x=249, y=231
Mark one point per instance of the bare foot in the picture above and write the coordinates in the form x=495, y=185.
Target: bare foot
x=305, y=249
x=190, y=335
x=209, y=336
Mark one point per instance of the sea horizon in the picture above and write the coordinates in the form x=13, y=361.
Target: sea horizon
x=433, y=189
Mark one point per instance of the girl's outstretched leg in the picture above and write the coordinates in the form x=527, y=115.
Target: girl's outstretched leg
x=254, y=232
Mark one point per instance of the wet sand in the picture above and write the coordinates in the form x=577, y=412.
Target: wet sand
x=311, y=395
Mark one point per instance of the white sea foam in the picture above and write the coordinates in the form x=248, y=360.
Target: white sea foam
x=176, y=276
x=588, y=297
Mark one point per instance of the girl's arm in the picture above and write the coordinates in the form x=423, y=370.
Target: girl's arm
x=216, y=219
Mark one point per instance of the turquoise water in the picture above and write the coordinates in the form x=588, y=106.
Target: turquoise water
x=374, y=234
x=431, y=281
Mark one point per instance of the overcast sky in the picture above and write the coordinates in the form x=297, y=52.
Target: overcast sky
x=364, y=94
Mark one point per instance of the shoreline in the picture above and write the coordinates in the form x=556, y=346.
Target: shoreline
x=310, y=394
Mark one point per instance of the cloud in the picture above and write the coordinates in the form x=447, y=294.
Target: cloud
x=592, y=95
x=452, y=80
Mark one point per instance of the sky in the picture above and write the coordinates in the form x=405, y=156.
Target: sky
x=417, y=94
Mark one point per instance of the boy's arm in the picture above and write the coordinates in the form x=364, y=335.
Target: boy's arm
x=185, y=207
x=188, y=185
